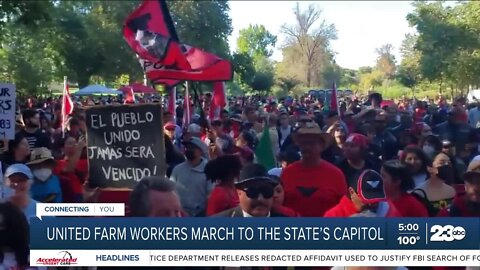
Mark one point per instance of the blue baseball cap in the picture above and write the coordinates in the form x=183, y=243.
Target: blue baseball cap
x=19, y=168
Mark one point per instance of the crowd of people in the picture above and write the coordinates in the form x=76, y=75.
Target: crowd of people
x=426, y=153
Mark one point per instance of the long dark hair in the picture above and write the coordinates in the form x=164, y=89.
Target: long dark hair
x=420, y=154
x=14, y=233
x=400, y=172
x=9, y=156
x=223, y=169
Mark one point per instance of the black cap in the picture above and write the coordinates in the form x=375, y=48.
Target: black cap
x=255, y=172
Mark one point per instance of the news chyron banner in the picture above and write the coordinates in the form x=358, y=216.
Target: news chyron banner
x=234, y=242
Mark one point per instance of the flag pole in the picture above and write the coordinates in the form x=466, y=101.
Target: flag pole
x=163, y=162
x=63, y=105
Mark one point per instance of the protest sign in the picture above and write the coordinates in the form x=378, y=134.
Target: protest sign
x=7, y=111
x=124, y=144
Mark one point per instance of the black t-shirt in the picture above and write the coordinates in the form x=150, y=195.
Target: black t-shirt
x=38, y=139
x=352, y=174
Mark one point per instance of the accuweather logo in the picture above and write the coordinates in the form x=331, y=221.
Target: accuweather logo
x=447, y=233
x=63, y=258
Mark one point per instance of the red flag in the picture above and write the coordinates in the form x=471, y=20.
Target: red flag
x=218, y=100
x=334, y=100
x=129, y=96
x=150, y=32
x=67, y=104
x=219, y=97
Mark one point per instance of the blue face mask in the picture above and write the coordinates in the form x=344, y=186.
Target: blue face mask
x=6, y=193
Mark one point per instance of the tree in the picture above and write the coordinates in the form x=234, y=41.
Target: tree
x=386, y=61
x=448, y=42
x=409, y=69
x=244, y=67
x=256, y=41
x=264, y=75
x=26, y=13
x=83, y=40
x=312, y=42
x=203, y=24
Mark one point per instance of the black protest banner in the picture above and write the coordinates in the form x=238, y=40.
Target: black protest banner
x=124, y=144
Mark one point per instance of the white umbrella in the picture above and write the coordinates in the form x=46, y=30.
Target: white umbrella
x=96, y=90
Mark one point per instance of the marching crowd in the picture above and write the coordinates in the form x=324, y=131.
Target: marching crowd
x=426, y=154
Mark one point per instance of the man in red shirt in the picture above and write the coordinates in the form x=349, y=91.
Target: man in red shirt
x=312, y=185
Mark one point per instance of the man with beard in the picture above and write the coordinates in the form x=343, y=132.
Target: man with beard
x=255, y=190
x=36, y=137
x=312, y=185
x=467, y=204
x=192, y=185
x=357, y=159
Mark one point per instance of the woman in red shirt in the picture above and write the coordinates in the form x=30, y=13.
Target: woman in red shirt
x=223, y=170
x=397, y=181
x=72, y=169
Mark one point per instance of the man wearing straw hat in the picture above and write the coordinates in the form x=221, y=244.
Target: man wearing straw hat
x=312, y=185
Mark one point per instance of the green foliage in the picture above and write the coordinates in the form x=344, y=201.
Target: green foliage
x=448, y=42
x=24, y=13
x=83, y=39
x=306, y=53
x=244, y=67
x=256, y=41
x=203, y=24
x=255, y=70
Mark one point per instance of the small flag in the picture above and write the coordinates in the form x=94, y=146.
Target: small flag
x=67, y=104
x=264, y=151
x=219, y=100
x=334, y=100
x=129, y=96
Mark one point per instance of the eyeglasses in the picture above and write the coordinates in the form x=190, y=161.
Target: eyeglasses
x=254, y=192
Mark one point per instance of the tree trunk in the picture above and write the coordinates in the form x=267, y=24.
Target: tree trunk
x=309, y=75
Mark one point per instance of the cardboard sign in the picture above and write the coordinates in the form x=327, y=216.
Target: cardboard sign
x=124, y=144
x=7, y=111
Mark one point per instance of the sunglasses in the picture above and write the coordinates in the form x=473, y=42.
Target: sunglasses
x=254, y=192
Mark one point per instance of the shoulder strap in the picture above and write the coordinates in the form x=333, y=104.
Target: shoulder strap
x=421, y=193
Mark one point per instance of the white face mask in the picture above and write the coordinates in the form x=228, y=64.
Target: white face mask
x=42, y=174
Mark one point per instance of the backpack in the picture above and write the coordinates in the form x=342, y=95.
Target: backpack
x=422, y=197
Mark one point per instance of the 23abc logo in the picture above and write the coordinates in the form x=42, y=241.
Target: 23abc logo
x=447, y=233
